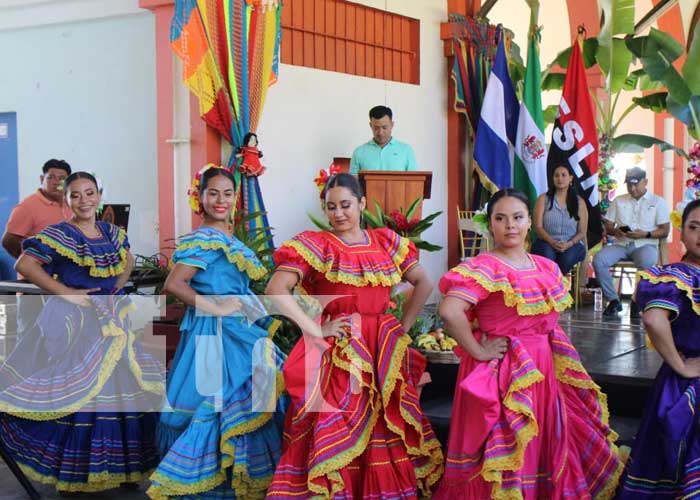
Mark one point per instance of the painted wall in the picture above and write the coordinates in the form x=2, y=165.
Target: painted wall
x=311, y=116
x=85, y=92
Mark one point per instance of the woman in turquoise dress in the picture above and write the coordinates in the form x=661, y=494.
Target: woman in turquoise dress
x=78, y=395
x=221, y=436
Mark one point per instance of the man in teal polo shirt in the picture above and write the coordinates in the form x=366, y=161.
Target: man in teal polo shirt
x=383, y=152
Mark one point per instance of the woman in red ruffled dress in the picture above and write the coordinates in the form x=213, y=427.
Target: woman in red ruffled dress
x=527, y=422
x=355, y=429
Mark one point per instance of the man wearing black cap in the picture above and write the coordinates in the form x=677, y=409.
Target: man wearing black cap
x=637, y=220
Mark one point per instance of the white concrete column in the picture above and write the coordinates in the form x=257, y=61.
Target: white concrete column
x=668, y=167
x=181, y=151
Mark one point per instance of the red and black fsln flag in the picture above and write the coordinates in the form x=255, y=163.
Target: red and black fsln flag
x=575, y=141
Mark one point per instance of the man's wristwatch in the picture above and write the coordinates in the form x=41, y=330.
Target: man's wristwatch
x=648, y=234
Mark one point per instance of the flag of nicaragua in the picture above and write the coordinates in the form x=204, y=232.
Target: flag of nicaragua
x=530, y=169
x=498, y=123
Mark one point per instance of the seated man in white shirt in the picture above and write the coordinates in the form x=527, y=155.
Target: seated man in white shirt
x=637, y=221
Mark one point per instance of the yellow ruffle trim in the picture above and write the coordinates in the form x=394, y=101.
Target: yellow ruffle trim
x=89, y=260
x=513, y=299
x=679, y=284
x=242, y=484
x=561, y=365
x=432, y=472
x=367, y=278
x=113, y=355
x=166, y=487
x=564, y=363
x=330, y=467
x=492, y=469
x=149, y=386
x=355, y=365
x=273, y=327
x=253, y=269
x=101, y=481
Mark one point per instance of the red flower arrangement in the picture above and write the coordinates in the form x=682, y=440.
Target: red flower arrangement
x=401, y=222
x=404, y=223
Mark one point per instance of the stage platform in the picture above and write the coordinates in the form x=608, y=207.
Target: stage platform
x=612, y=350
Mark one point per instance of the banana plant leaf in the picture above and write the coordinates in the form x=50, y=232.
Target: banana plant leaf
x=657, y=51
x=589, y=49
x=655, y=102
x=691, y=71
x=639, y=78
x=618, y=18
x=615, y=62
x=688, y=112
x=607, y=49
x=550, y=114
x=613, y=56
x=636, y=143
x=553, y=81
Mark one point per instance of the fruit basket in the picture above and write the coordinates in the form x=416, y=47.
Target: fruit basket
x=441, y=357
x=437, y=347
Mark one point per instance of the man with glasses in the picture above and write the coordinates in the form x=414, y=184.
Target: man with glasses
x=44, y=207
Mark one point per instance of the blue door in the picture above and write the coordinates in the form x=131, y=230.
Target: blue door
x=9, y=186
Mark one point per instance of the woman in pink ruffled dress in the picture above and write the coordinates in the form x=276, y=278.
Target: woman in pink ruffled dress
x=528, y=422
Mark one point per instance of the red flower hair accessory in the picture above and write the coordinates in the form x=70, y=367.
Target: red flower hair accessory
x=322, y=178
x=193, y=191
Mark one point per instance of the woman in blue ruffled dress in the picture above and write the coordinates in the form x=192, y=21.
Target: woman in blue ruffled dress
x=221, y=435
x=78, y=396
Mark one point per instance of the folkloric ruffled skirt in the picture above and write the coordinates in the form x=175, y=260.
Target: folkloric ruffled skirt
x=371, y=441
x=80, y=397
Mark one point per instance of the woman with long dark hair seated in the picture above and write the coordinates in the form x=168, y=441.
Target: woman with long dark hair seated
x=560, y=221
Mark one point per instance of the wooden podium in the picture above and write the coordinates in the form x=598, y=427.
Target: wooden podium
x=395, y=190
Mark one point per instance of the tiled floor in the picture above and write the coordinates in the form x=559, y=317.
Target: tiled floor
x=613, y=351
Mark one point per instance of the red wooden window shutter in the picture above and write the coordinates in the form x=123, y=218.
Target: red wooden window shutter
x=342, y=36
